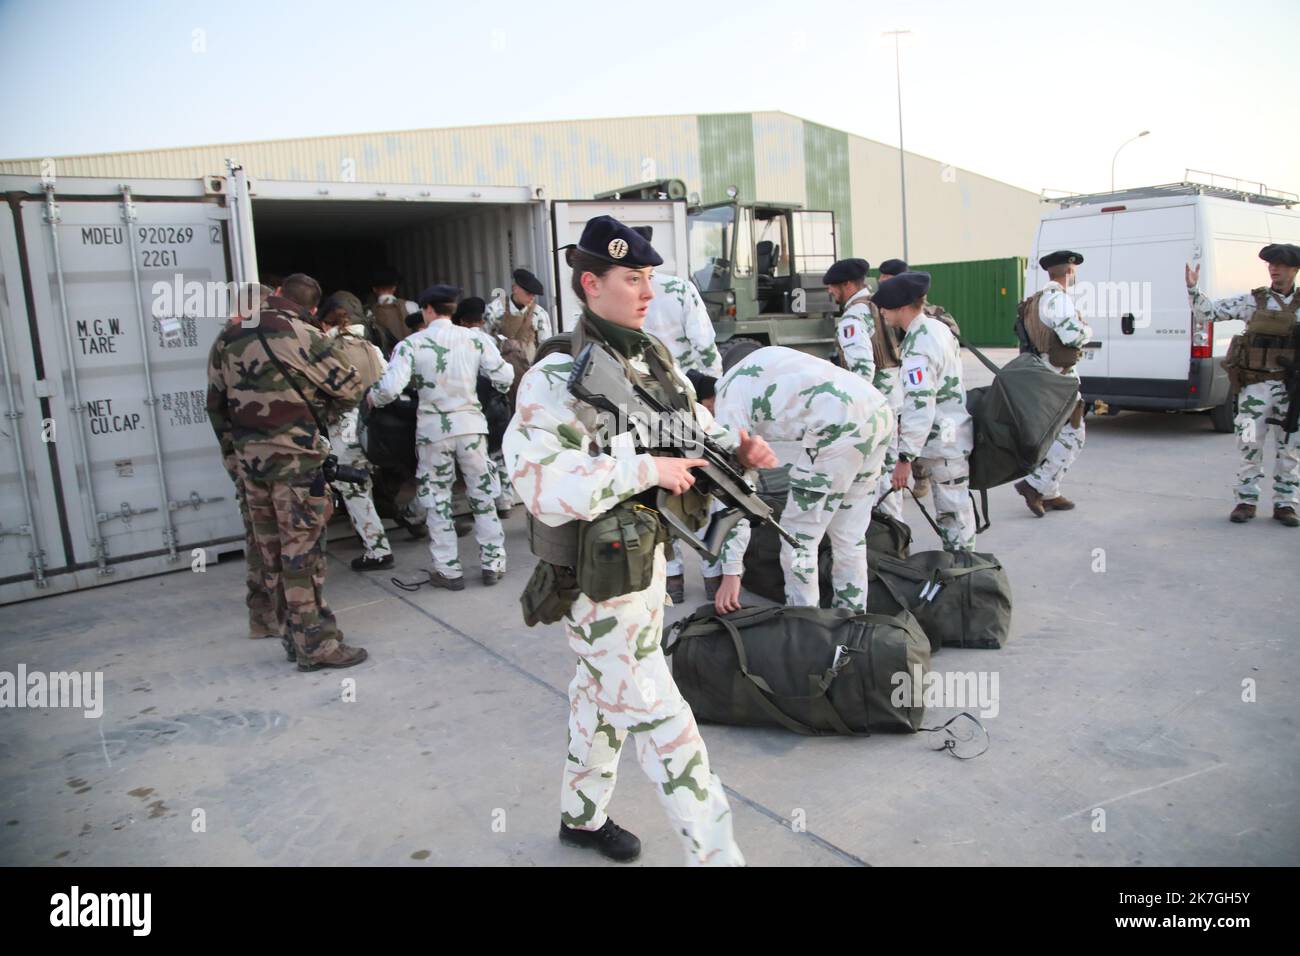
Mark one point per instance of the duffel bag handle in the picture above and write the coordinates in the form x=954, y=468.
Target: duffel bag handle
x=924, y=511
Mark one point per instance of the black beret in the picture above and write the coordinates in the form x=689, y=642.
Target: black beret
x=893, y=267
x=528, y=282
x=1281, y=253
x=734, y=353
x=847, y=270
x=471, y=308
x=705, y=385
x=609, y=240
x=1059, y=258
x=647, y=231
x=414, y=320
x=904, y=289
x=387, y=276
x=438, y=294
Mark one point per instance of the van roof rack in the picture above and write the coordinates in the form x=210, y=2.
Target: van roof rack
x=1264, y=197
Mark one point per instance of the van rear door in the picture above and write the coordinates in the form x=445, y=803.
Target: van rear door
x=1087, y=232
x=1147, y=319
x=666, y=217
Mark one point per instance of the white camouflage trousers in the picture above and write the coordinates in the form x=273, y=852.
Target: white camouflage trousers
x=893, y=504
x=1255, y=404
x=360, y=502
x=842, y=513
x=1046, y=478
x=953, y=511
x=437, y=474
x=623, y=686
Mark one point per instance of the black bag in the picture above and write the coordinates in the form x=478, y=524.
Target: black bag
x=959, y=600
x=388, y=434
x=763, y=575
x=809, y=670
x=496, y=410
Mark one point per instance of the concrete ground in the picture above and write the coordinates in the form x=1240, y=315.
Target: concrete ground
x=1121, y=691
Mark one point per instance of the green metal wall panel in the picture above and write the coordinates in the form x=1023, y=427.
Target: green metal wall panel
x=826, y=170
x=981, y=295
x=726, y=155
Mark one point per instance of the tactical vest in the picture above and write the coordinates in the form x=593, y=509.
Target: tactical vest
x=362, y=355
x=942, y=314
x=519, y=327
x=1267, y=348
x=559, y=545
x=1043, y=339
x=389, y=321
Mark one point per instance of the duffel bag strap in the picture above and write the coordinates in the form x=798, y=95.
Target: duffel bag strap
x=763, y=694
x=982, y=522
x=924, y=512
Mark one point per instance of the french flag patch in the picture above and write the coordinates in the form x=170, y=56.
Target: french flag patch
x=915, y=375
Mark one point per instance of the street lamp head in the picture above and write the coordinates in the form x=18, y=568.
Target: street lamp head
x=1145, y=132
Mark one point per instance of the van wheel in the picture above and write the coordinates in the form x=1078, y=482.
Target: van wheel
x=1222, y=416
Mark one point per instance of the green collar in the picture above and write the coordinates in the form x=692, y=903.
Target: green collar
x=627, y=342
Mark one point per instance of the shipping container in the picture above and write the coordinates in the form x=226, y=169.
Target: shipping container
x=981, y=295
x=112, y=292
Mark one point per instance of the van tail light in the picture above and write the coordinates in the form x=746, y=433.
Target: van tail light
x=1202, y=338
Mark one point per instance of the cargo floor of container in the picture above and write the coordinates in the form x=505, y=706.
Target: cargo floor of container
x=1120, y=691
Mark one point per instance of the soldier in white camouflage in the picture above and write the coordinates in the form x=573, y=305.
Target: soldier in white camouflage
x=1058, y=334
x=679, y=319
x=934, y=425
x=443, y=361
x=567, y=471
x=843, y=428
x=870, y=348
x=1257, y=364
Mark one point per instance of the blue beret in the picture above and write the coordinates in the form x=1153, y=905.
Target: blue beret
x=1059, y=258
x=893, y=267
x=647, y=231
x=1281, y=253
x=847, y=270
x=528, y=282
x=903, y=289
x=605, y=238
x=438, y=294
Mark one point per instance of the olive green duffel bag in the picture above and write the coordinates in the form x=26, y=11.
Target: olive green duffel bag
x=960, y=600
x=811, y=670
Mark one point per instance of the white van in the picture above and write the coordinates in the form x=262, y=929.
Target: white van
x=1147, y=353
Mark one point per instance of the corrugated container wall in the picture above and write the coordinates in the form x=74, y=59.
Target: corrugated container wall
x=981, y=295
x=477, y=252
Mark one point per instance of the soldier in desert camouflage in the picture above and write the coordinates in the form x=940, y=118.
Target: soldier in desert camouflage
x=565, y=475
x=259, y=409
x=843, y=427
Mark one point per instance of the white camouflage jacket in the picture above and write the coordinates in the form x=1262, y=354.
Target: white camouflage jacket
x=1056, y=310
x=1234, y=306
x=549, y=444
x=933, y=422
x=677, y=317
x=443, y=362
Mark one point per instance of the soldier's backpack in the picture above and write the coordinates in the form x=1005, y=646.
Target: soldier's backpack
x=959, y=600
x=1016, y=419
x=361, y=354
x=387, y=321
x=808, y=670
x=387, y=434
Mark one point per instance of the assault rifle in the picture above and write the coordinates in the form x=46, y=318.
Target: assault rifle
x=1291, y=423
x=599, y=380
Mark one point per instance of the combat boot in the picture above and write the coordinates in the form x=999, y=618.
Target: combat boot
x=610, y=841
x=343, y=655
x=364, y=563
x=1059, y=503
x=416, y=529
x=676, y=586
x=1242, y=513
x=1286, y=514
x=1033, y=499
x=290, y=652
x=491, y=577
x=711, y=586
x=439, y=580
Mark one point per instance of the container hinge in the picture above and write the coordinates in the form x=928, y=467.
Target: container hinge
x=126, y=513
x=195, y=501
x=22, y=531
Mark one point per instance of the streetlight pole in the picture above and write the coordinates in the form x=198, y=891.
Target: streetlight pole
x=1145, y=132
x=902, y=156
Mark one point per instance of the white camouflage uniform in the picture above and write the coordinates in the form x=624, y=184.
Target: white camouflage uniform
x=1256, y=403
x=358, y=497
x=677, y=318
x=857, y=330
x=1056, y=310
x=935, y=427
x=622, y=682
x=443, y=362
x=496, y=310
x=843, y=427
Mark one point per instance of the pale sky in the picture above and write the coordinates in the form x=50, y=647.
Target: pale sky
x=1034, y=94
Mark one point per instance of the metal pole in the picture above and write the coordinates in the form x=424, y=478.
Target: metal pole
x=151, y=400
x=1116, y=156
x=93, y=519
x=902, y=156
x=37, y=555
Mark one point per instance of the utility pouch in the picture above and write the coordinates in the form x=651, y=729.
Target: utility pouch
x=616, y=552
x=1272, y=322
x=549, y=594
